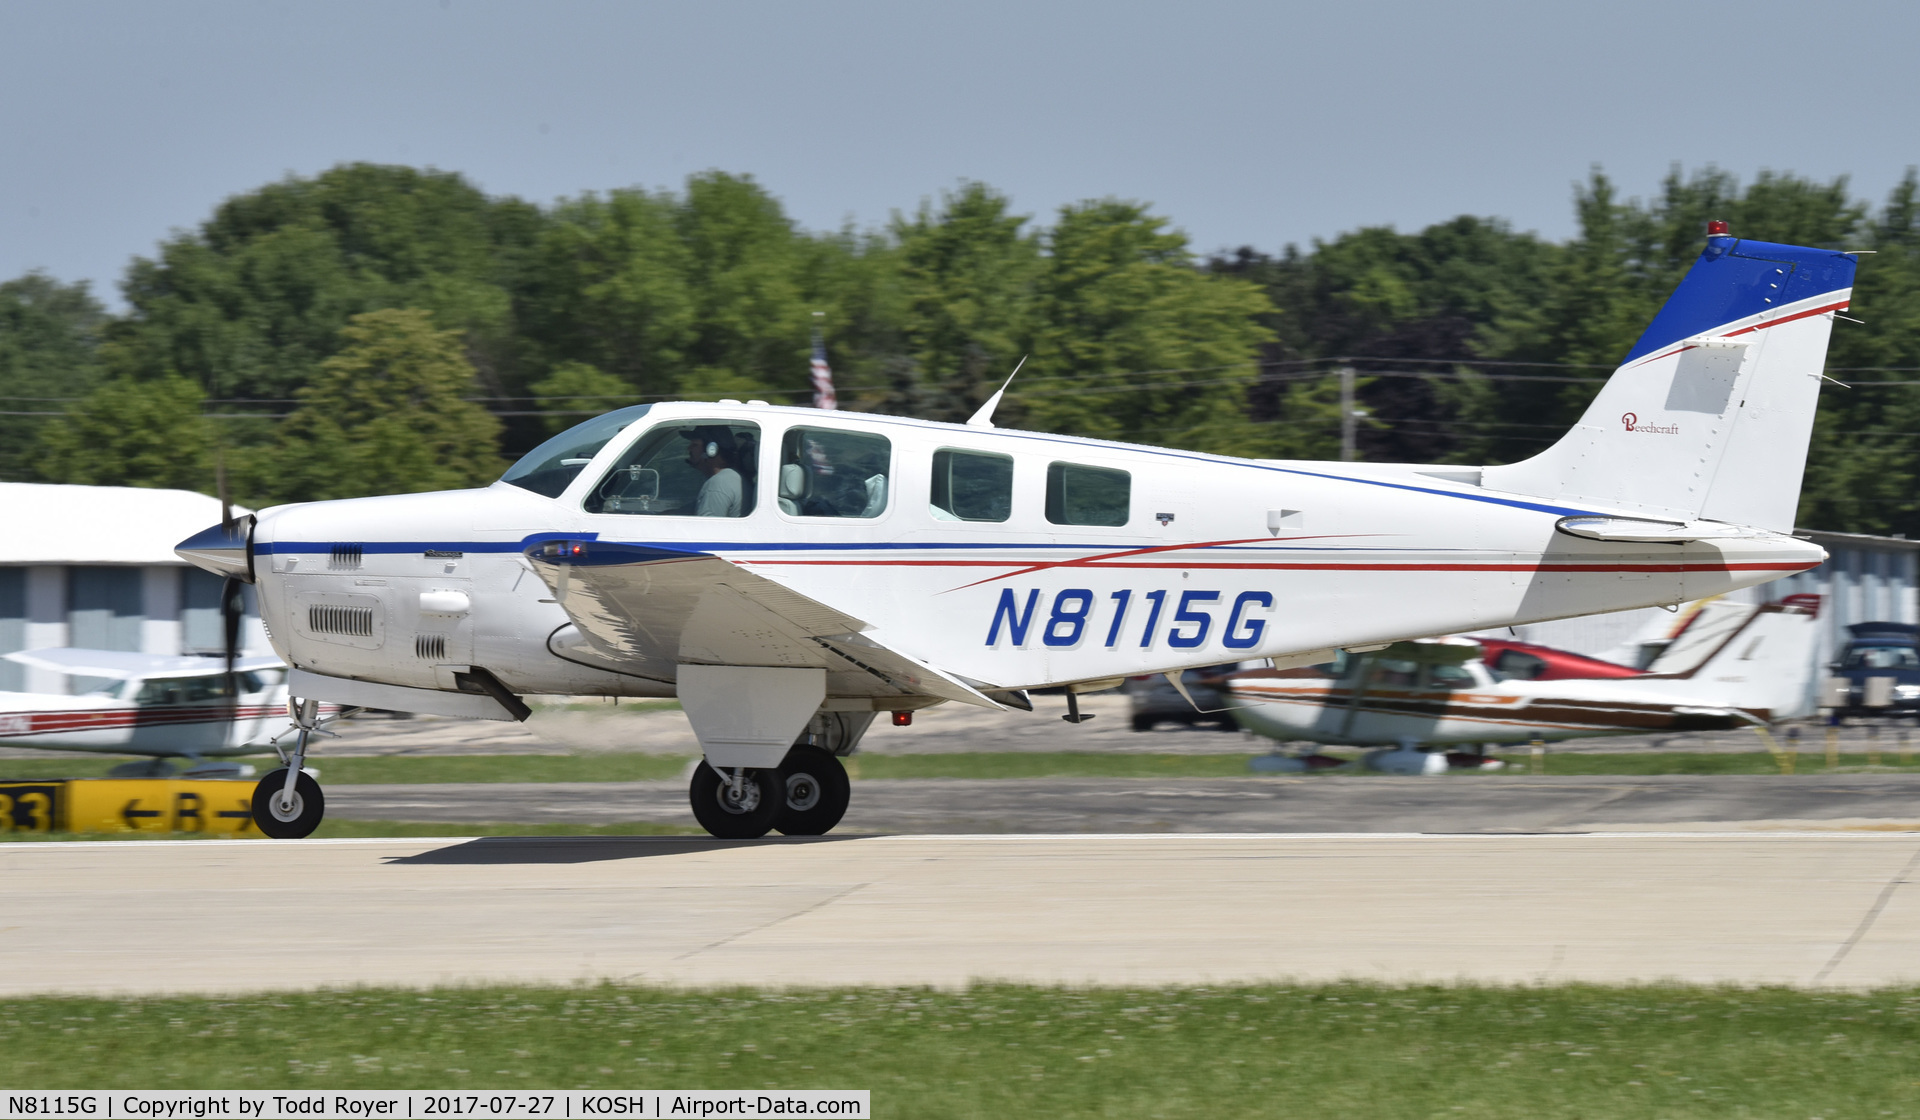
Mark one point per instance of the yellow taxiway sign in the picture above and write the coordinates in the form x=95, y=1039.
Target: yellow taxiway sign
x=128, y=805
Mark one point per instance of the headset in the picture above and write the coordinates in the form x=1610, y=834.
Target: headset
x=713, y=450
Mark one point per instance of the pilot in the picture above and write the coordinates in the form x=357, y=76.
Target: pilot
x=711, y=451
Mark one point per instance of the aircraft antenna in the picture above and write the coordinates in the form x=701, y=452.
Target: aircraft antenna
x=984, y=417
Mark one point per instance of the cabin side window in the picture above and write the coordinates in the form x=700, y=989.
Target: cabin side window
x=1449, y=677
x=192, y=690
x=971, y=486
x=825, y=472
x=691, y=468
x=1083, y=495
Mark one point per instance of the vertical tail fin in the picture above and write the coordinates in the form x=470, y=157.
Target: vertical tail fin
x=1710, y=414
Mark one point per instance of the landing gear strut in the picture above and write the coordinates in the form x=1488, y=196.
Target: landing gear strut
x=287, y=803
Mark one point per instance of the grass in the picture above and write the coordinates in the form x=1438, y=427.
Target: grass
x=1005, y=1050
x=624, y=767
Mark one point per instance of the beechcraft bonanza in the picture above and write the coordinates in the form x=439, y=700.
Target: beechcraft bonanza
x=789, y=573
x=1735, y=665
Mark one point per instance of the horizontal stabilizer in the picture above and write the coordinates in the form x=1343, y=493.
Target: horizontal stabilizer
x=1653, y=532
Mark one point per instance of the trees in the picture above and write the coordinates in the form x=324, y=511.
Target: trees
x=1131, y=341
x=1407, y=309
x=967, y=275
x=385, y=416
x=575, y=391
x=1476, y=343
x=49, y=349
x=249, y=305
x=607, y=286
x=133, y=433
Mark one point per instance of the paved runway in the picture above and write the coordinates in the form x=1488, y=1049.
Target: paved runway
x=1457, y=803
x=221, y=916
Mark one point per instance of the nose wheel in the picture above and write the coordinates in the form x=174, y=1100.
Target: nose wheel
x=288, y=814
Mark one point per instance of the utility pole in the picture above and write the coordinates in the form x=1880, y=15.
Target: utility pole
x=1347, y=415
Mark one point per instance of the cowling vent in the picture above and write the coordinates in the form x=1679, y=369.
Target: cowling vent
x=352, y=622
x=430, y=647
x=344, y=558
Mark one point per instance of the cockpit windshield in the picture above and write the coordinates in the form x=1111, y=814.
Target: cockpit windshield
x=550, y=467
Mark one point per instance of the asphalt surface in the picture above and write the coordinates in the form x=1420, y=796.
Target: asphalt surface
x=1834, y=909
x=1450, y=804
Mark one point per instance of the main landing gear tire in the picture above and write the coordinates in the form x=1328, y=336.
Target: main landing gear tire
x=816, y=791
x=747, y=816
x=292, y=821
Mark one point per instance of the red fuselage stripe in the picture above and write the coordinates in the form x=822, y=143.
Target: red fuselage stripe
x=1841, y=306
x=1784, y=566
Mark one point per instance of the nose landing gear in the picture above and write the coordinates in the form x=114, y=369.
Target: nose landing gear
x=287, y=803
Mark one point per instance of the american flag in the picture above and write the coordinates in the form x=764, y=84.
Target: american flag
x=822, y=376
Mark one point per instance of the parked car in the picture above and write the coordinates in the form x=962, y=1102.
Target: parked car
x=1880, y=649
x=1154, y=701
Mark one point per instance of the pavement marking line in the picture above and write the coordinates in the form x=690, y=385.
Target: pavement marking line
x=1866, y=922
x=800, y=913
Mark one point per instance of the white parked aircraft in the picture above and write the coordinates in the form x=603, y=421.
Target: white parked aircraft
x=787, y=573
x=189, y=708
x=1735, y=665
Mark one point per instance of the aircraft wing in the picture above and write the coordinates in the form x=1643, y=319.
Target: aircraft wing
x=123, y=665
x=645, y=610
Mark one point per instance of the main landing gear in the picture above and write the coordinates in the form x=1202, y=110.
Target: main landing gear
x=287, y=803
x=806, y=796
x=816, y=789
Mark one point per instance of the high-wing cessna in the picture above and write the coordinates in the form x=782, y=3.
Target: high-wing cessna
x=190, y=708
x=1736, y=665
x=788, y=573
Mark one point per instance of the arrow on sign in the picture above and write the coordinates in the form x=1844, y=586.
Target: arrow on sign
x=132, y=815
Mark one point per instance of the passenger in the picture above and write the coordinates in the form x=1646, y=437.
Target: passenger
x=711, y=451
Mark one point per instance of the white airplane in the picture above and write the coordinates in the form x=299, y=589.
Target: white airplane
x=164, y=707
x=788, y=573
x=1736, y=665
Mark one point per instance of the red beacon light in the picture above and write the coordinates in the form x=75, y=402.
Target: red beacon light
x=903, y=719
x=1718, y=228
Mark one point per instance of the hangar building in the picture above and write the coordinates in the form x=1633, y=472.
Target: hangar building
x=93, y=567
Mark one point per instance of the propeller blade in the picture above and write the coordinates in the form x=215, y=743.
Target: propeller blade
x=233, y=606
x=220, y=487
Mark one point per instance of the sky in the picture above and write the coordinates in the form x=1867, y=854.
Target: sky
x=1244, y=123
